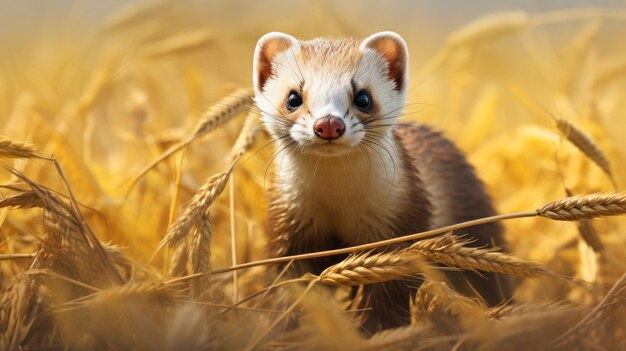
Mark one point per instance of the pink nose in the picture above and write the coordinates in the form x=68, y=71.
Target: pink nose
x=329, y=128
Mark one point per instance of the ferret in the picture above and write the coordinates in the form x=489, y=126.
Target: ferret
x=347, y=173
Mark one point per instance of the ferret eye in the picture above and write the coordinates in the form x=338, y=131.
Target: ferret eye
x=293, y=101
x=362, y=100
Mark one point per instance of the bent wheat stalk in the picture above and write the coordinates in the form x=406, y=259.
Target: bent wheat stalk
x=568, y=209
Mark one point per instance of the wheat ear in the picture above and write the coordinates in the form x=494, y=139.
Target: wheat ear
x=26, y=199
x=584, y=207
x=10, y=148
x=584, y=143
x=371, y=268
x=452, y=252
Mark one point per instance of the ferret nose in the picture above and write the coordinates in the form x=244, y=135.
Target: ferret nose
x=329, y=128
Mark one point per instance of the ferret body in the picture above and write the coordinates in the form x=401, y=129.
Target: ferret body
x=348, y=174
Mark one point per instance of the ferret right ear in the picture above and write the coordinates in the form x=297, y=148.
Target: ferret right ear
x=270, y=45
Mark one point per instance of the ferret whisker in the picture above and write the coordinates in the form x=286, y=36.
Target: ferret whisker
x=368, y=143
x=393, y=162
x=375, y=117
x=343, y=162
x=394, y=116
x=272, y=160
x=368, y=120
x=387, y=116
x=386, y=139
x=280, y=163
x=297, y=66
x=391, y=125
x=317, y=163
x=274, y=140
x=274, y=106
x=369, y=160
x=430, y=105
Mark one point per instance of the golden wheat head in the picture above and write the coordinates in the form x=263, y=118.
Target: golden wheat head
x=584, y=207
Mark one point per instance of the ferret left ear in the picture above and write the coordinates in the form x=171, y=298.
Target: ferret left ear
x=394, y=51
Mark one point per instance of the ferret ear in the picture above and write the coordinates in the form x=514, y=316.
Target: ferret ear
x=393, y=49
x=270, y=45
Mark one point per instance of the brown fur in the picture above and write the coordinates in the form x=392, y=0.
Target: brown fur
x=457, y=196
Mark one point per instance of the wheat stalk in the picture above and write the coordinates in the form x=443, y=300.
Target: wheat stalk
x=575, y=53
x=609, y=71
x=614, y=297
x=210, y=190
x=584, y=207
x=178, y=44
x=218, y=114
x=590, y=235
x=196, y=220
x=14, y=256
x=584, y=143
x=488, y=26
x=532, y=330
x=146, y=291
x=138, y=12
x=506, y=311
x=404, y=338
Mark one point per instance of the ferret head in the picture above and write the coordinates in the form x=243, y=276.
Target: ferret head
x=330, y=97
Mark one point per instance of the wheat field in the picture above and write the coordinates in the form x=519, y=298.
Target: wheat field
x=134, y=168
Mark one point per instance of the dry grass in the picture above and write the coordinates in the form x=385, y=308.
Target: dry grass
x=109, y=242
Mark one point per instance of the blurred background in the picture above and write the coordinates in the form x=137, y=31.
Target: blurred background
x=106, y=86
